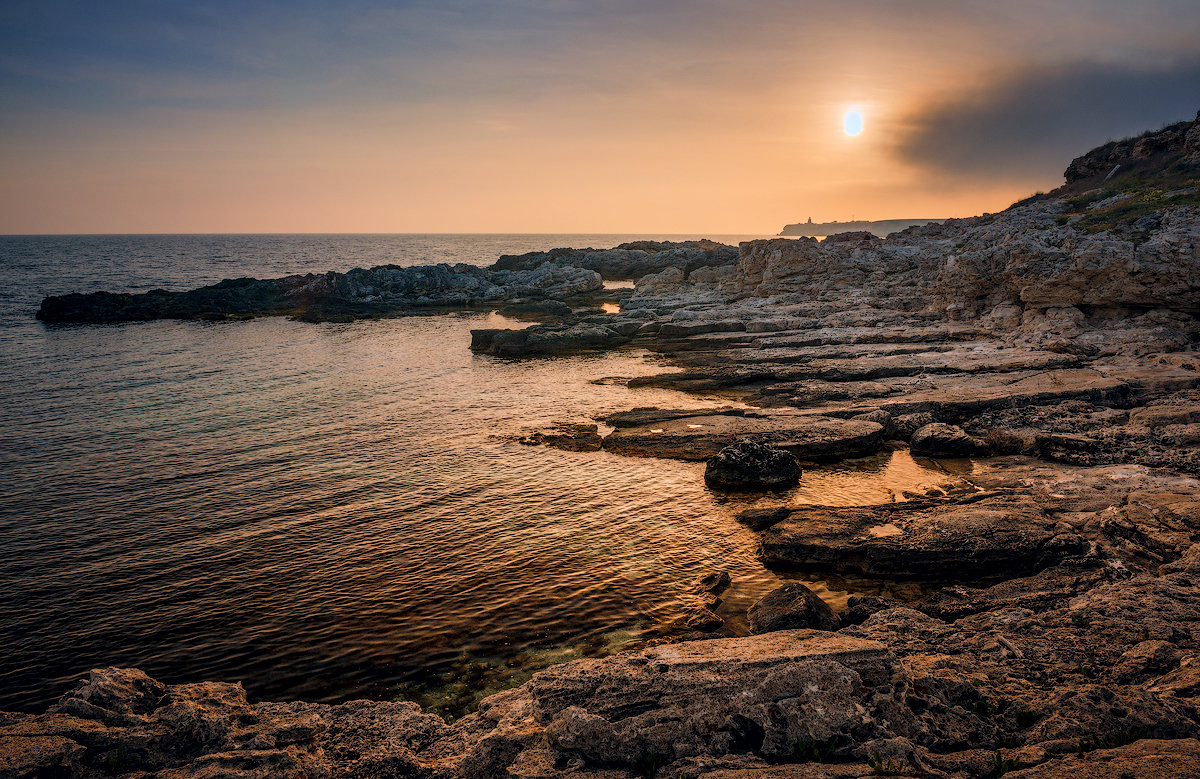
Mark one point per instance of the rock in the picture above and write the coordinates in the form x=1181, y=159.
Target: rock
x=648, y=415
x=791, y=606
x=859, y=608
x=547, y=339
x=746, y=465
x=965, y=540
x=762, y=694
x=712, y=583
x=701, y=437
x=941, y=440
x=630, y=260
x=537, y=308
x=761, y=519
x=386, y=290
x=1161, y=759
x=567, y=436
x=907, y=424
x=881, y=418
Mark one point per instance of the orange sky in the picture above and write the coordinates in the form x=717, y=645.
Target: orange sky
x=714, y=118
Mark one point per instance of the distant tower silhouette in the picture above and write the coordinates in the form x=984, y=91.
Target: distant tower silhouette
x=810, y=220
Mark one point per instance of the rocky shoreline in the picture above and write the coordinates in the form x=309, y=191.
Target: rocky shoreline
x=1057, y=341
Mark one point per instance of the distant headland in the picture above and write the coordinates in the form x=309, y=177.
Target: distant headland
x=880, y=228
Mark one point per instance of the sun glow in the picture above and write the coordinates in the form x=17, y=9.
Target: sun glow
x=852, y=122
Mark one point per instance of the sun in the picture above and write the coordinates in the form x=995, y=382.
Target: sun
x=852, y=122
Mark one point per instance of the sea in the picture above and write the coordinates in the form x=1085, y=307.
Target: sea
x=337, y=511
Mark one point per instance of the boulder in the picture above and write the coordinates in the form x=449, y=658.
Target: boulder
x=747, y=465
x=789, y=607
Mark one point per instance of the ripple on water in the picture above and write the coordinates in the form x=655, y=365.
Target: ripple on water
x=339, y=510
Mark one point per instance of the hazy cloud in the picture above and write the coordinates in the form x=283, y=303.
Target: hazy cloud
x=1033, y=122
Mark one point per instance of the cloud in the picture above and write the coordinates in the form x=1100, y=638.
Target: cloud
x=1035, y=122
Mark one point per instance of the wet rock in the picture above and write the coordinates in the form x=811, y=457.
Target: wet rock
x=965, y=540
x=701, y=437
x=747, y=465
x=761, y=519
x=941, y=440
x=644, y=415
x=712, y=583
x=791, y=606
x=548, y=339
x=567, y=436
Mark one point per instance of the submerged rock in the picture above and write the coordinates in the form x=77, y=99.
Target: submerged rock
x=747, y=465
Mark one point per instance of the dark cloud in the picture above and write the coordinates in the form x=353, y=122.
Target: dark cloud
x=1036, y=122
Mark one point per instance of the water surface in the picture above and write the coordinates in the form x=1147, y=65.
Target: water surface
x=331, y=511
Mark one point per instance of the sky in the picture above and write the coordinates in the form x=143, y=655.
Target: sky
x=617, y=116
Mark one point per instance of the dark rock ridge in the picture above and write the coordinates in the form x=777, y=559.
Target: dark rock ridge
x=629, y=260
x=385, y=290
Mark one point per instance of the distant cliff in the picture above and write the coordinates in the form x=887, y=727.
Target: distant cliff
x=881, y=228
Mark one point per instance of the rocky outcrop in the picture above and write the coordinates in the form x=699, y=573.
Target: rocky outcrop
x=386, y=290
x=747, y=465
x=630, y=261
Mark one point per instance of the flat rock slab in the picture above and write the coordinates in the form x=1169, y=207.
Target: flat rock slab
x=701, y=437
x=878, y=363
x=644, y=415
x=958, y=398
x=758, y=693
x=963, y=540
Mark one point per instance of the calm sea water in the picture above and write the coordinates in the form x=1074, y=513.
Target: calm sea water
x=332, y=511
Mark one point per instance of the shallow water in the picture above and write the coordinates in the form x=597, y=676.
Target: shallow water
x=331, y=511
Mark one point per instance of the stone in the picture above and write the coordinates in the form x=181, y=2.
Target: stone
x=747, y=465
x=701, y=437
x=941, y=440
x=907, y=424
x=967, y=540
x=791, y=606
x=569, y=437
x=881, y=418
